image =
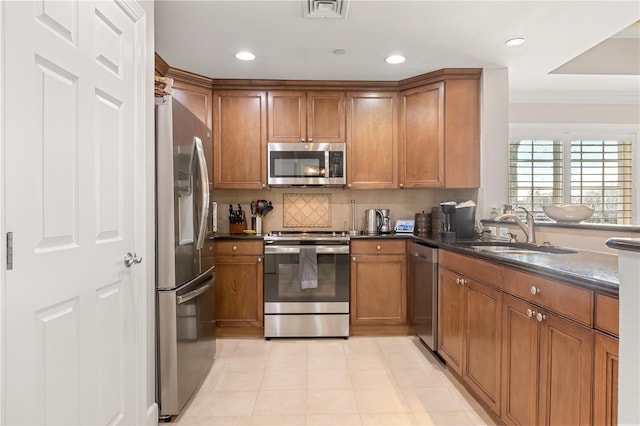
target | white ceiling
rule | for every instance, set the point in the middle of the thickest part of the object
(569, 50)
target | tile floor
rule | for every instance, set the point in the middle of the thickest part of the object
(359, 381)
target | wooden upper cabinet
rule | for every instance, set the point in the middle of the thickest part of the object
(298, 116)
(421, 137)
(372, 128)
(198, 100)
(440, 135)
(462, 133)
(239, 139)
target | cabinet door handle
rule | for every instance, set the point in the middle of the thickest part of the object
(531, 313)
(310, 140)
(540, 317)
(534, 290)
(302, 140)
(378, 248)
(264, 186)
(401, 186)
(234, 248)
(460, 281)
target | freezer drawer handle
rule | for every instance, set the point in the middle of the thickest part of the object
(193, 294)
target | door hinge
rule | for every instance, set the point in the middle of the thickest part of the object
(9, 251)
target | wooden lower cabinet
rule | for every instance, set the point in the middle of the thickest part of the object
(482, 341)
(378, 283)
(605, 380)
(547, 367)
(469, 332)
(239, 287)
(450, 319)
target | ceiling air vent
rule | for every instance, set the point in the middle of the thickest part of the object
(325, 8)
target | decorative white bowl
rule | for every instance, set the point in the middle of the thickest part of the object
(568, 212)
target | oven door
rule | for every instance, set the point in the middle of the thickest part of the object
(283, 290)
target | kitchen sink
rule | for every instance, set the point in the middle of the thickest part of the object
(514, 248)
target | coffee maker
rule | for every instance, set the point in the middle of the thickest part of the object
(458, 220)
(385, 221)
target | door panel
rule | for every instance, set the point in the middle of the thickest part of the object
(72, 135)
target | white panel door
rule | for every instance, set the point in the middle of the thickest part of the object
(72, 129)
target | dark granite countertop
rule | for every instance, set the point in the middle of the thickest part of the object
(628, 244)
(597, 271)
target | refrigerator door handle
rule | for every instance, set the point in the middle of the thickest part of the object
(193, 294)
(204, 189)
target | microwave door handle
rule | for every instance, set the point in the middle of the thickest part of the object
(204, 192)
(326, 163)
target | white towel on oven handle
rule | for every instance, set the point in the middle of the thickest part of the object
(308, 262)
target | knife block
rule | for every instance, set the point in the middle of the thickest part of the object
(236, 228)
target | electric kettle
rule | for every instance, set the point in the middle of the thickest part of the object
(372, 220)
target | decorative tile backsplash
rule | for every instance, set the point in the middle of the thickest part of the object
(306, 210)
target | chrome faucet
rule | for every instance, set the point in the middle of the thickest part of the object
(528, 228)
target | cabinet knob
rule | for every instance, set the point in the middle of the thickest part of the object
(378, 248)
(540, 317)
(460, 281)
(534, 290)
(259, 260)
(349, 186)
(401, 185)
(234, 248)
(353, 258)
(309, 140)
(264, 186)
(530, 313)
(302, 140)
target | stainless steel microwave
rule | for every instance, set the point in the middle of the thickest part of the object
(306, 164)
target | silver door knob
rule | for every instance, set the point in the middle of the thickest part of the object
(130, 259)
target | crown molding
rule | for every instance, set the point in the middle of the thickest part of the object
(568, 97)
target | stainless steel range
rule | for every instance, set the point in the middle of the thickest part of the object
(306, 284)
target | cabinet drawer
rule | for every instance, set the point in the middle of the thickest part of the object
(481, 270)
(607, 313)
(573, 302)
(378, 247)
(238, 247)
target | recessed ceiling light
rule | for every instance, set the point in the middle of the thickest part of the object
(514, 42)
(245, 56)
(395, 59)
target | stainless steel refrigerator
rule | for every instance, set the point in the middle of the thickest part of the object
(185, 278)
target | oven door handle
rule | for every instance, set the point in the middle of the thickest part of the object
(335, 249)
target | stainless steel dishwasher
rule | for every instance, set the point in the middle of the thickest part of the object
(423, 292)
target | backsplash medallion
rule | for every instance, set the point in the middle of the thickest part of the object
(306, 210)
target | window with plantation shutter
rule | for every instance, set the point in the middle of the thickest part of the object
(595, 172)
(601, 178)
(535, 174)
